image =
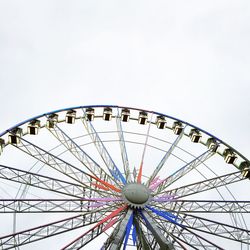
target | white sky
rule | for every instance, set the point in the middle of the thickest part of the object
(189, 59)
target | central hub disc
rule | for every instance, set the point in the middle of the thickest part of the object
(136, 194)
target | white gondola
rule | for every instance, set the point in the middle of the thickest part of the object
(34, 127)
(2, 144)
(14, 136)
(70, 117)
(52, 120)
(161, 122)
(246, 173)
(143, 118)
(245, 168)
(90, 113)
(125, 115)
(177, 127)
(107, 114)
(229, 156)
(195, 135)
(212, 144)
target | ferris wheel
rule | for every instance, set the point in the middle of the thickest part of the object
(112, 177)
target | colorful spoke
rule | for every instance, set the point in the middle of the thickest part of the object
(166, 215)
(140, 173)
(128, 228)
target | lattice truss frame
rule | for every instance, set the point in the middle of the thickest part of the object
(69, 168)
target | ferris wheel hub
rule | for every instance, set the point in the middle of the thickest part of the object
(136, 194)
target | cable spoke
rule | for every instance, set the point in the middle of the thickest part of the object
(115, 172)
(42, 182)
(208, 184)
(80, 154)
(184, 170)
(144, 151)
(48, 230)
(165, 157)
(178, 241)
(123, 147)
(197, 240)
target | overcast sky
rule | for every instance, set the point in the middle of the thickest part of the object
(189, 59)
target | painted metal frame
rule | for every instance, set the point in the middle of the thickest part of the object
(167, 221)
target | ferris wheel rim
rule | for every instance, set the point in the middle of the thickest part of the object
(131, 201)
(127, 107)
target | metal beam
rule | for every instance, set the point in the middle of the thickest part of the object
(51, 229)
(60, 165)
(139, 176)
(165, 158)
(205, 206)
(42, 182)
(159, 237)
(142, 241)
(114, 170)
(167, 230)
(197, 241)
(187, 236)
(50, 205)
(95, 231)
(217, 229)
(108, 242)
(80, 154)
(205, 185)
(118, 238)
(184, 170)
(123, 147)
